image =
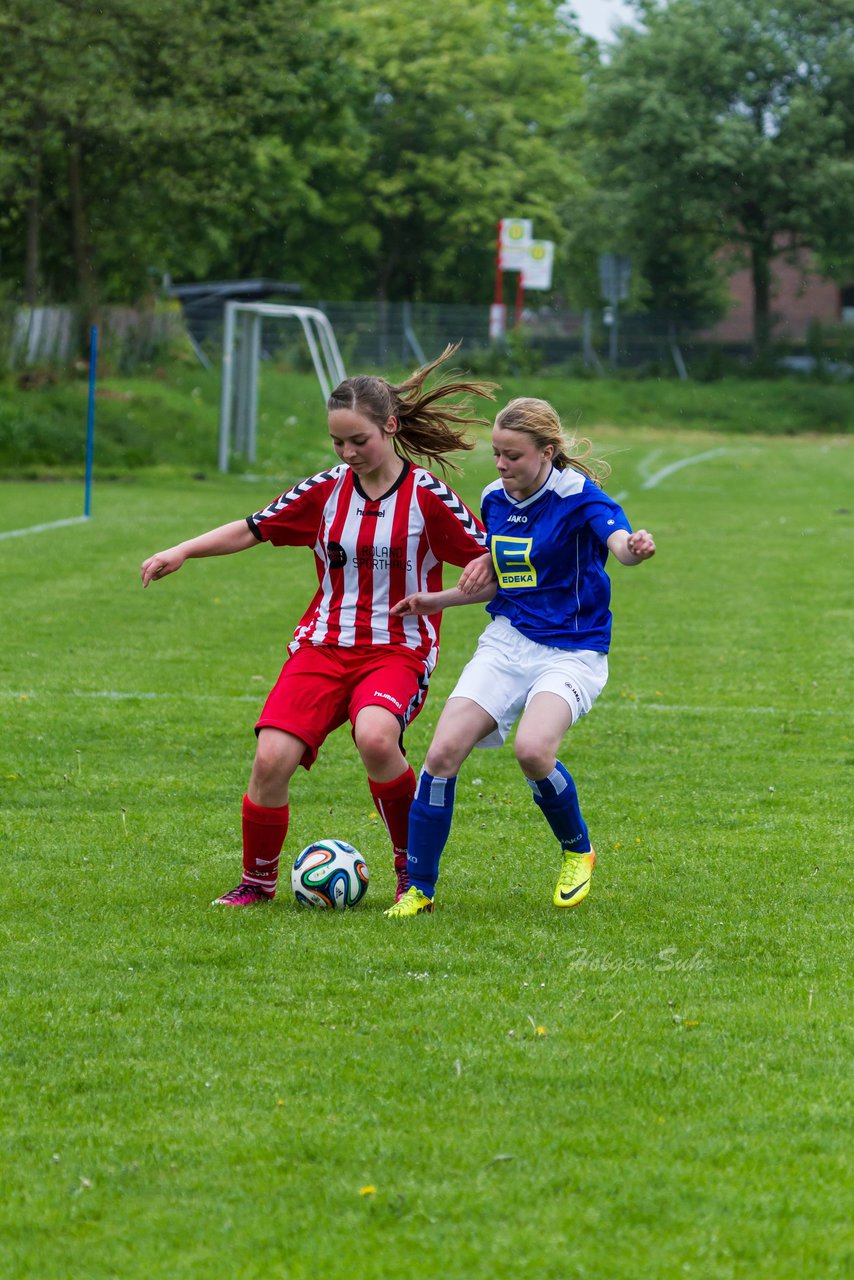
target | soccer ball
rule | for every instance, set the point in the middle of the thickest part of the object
(330, 873)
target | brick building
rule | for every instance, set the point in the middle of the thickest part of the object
(800, 297)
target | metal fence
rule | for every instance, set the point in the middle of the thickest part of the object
(377, 336)
(384, 335)
(56, 337)
(372, 336)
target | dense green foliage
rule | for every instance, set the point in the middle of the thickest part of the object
(142, 137)
(725, 123)
(656, 1084)
(358, 148)
(367, 148)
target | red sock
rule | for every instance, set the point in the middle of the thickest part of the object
(264, 832)
(393, 800)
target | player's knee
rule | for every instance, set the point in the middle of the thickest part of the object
(377, 744)
(272, 758)
(534, 760)
(443, 759)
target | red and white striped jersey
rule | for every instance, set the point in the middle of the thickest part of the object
(370, 553)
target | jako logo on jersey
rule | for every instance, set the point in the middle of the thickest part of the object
(517, 519)
(572, 689)
(512, 560)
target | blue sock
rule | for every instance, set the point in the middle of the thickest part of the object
(557, 797)
(429, 828)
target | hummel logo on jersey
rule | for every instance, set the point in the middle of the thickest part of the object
(362, 511)
(298, 491)
(388, 696)
(453, 503)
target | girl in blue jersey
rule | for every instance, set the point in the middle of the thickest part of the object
(544, 654)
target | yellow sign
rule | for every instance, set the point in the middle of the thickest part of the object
(514, 241)
(537, 271)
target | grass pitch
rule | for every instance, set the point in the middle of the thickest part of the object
(656, 1084)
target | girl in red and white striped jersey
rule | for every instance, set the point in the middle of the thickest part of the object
(380, 527)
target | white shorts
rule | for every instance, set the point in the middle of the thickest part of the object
(507, 670)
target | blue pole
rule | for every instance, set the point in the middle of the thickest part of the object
(90, 422)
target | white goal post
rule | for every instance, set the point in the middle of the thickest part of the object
(239, 390)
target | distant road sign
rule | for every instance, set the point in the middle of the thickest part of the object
(537, 271)
(514, 243)
(615, 274)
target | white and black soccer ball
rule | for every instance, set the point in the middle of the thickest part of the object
(329, 873)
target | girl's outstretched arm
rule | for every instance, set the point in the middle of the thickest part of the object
(436, 601)
(228, 538)
(631, 548)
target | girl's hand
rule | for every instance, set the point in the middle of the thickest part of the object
(476, 575)
(161, 565)
(419, 602)
(641, 544)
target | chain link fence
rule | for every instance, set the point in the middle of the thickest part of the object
(392, 336)
(377, 337)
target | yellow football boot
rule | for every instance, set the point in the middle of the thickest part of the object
(574, 881)
(413, 903)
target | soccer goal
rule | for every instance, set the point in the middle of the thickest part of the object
(241, 356)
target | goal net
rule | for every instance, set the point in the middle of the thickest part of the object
(241, 357)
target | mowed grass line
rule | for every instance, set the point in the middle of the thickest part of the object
(656, 1084)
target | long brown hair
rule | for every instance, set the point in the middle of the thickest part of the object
(427, 426)
(539, 420)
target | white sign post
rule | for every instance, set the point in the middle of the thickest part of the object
(514, 242)
(497, 320)
(537, 271)
(513, 250)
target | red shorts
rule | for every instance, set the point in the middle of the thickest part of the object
(321, 687)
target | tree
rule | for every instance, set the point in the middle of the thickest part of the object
(467, 106)
(356, 146)
(136, 137)
(730, 122)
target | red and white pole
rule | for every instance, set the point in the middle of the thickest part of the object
(497, 312)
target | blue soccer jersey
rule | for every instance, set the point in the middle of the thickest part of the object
(549, 552)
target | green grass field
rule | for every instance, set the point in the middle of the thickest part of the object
(168, 421)
(655, 1085)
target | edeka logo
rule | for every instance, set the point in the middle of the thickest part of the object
(512, 560)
